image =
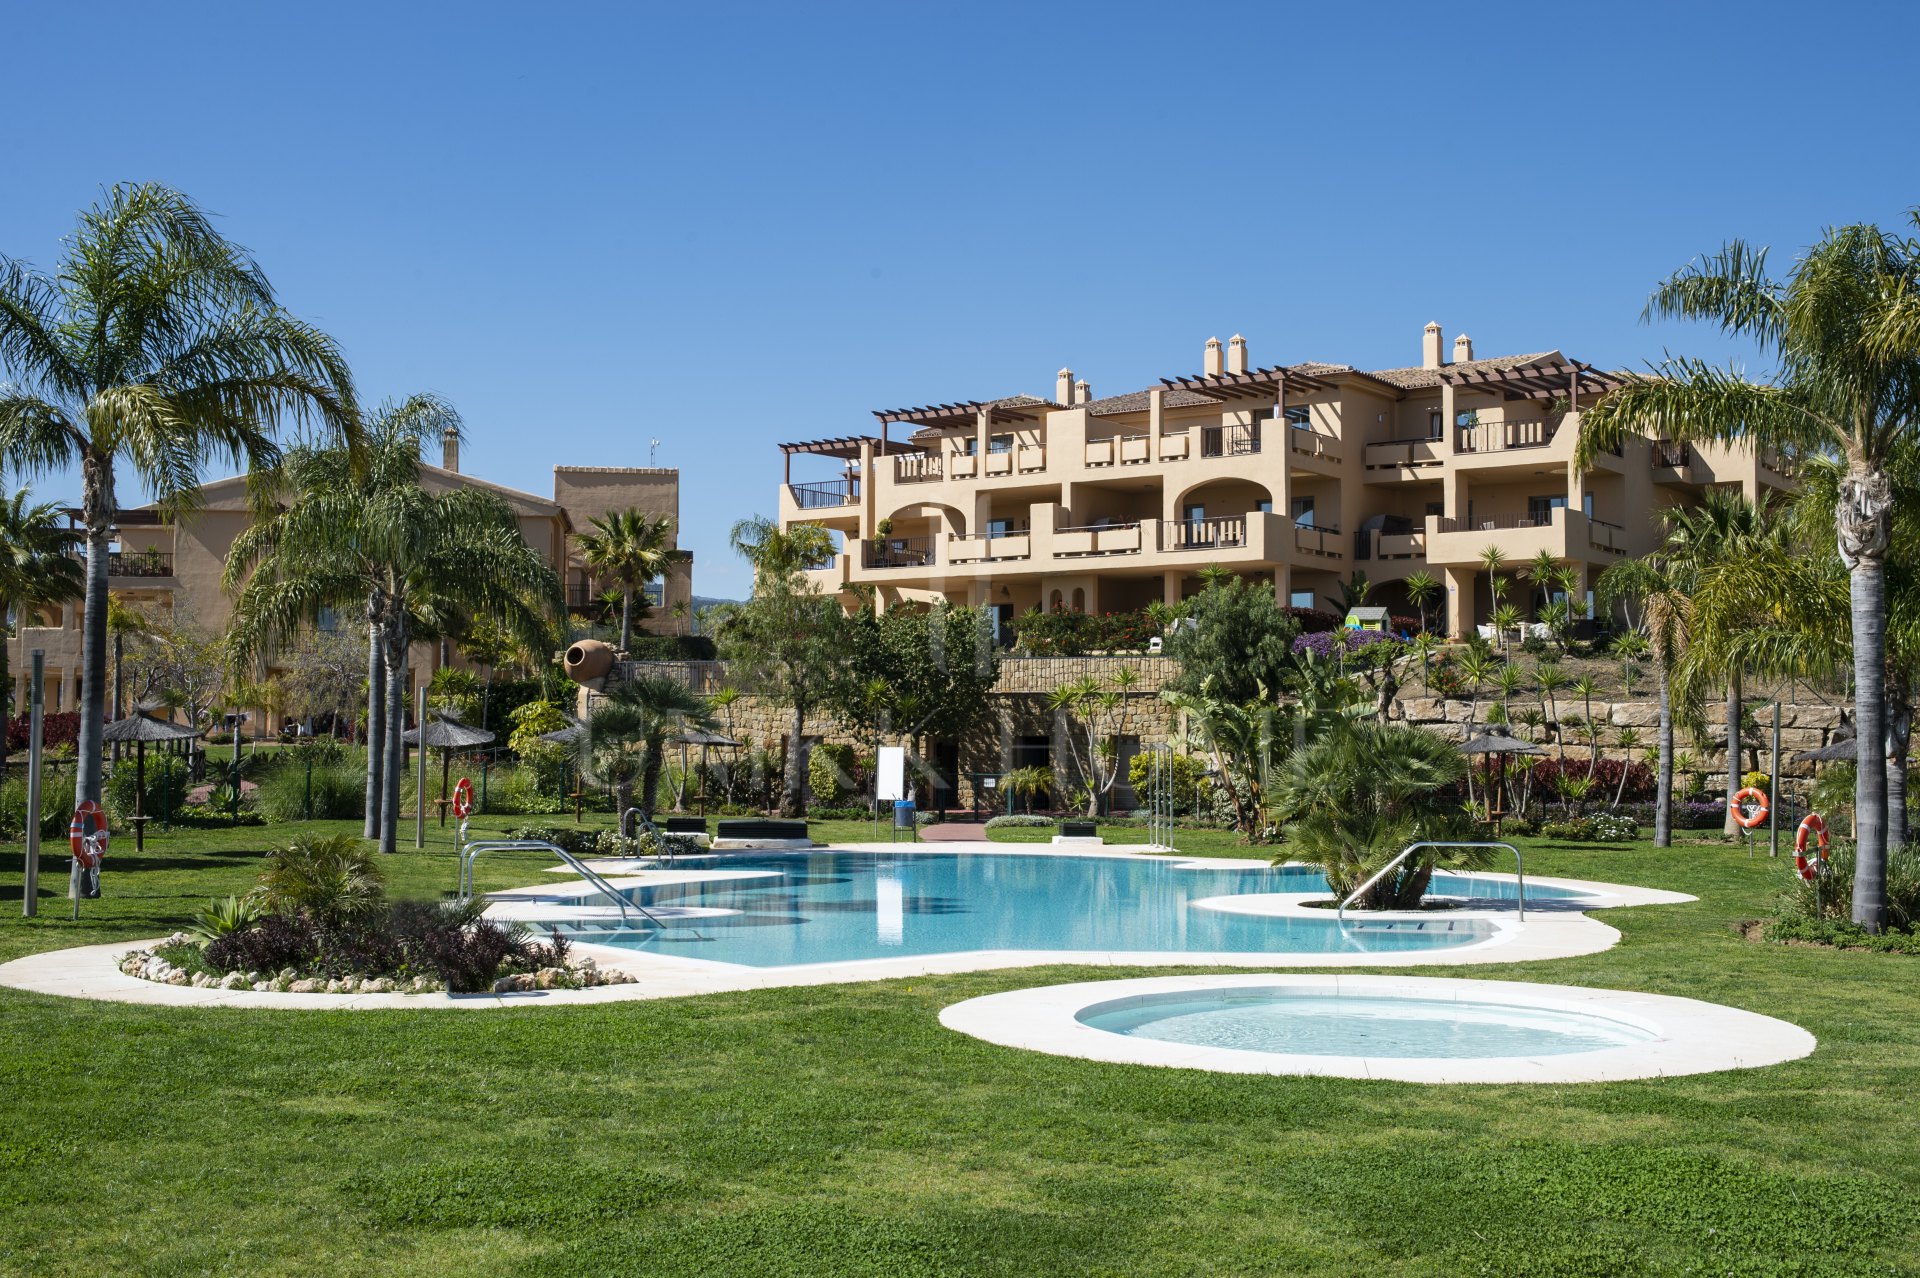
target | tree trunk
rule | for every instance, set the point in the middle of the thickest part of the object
(1663, 794)
(1863, 523)
(650, 777)
(1899, 736)
(396, 750)
(1731, 826)
(6, 684)
(623, 800)
(626, 622)
(98, 505)
(376, 729)
(792, 804)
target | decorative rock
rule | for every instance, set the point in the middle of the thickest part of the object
(176, 977)
(548, 978)
(309, 985)
(421, 985)
(261, 987)
(517, 984)
(374, 985)
(233, 981)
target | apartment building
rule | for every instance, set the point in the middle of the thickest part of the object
(171, 569)
(1295, 474)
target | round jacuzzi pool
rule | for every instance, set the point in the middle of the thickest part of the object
(1414, 1029)
(1328, 1023)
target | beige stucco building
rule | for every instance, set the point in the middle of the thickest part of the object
(171, 570)
(1298, 474)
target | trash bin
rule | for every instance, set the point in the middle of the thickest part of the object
(903, 811)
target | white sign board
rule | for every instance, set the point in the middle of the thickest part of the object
(893, 773)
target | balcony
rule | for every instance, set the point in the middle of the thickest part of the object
(898, 552)
(1565, 534)
(1503, 436)
(1097, 539)
(1608, 539)
(843, 492)
(1396, 455)
(1674, 463)
(1228, 441)
(1204, 534)
(134, 563)
(1411, 545)
(1317, 543)
(984, 547)
(918, 468)
(1312, 445)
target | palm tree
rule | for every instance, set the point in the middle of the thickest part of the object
(158, 344)
(1665, 611)
(124, 621)
(1550, 679)
(1506, 620)
(1843, 330)
(630, 548)
(364, 532)
(786, 639)
(1510, 680)
(1631, 649)
(38, 569)
(626, 737)
(1584, 687)
(1422, 589)
(1493, 559)
(1628, 739)
(1361, 793)
(1543, 570)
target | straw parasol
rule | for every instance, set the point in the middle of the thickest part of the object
(140, 728)
(1843, 746)
(447, 734)
(691, 736)
(1497, 741)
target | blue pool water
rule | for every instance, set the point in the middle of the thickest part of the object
(827, 906)
(1305, 1023)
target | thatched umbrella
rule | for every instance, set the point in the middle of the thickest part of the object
(1843, 746)
(691, 736)
(140, 728)
(448, 734)
(1496, 741)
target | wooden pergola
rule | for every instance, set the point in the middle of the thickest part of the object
(1568, 380)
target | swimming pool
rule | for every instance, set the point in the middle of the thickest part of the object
(839, 906)
(1329, 1022)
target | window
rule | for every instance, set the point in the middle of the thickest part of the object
(1264, 506)
(1586, 505)
(1300, 599)
(1000, 444)
(1433, 423)
(1300, 418)
(972, 446)
(1540, 509)
(1002, 625)
(999, 528)
(1302, 511)
(1435, 509)
(1194, 512)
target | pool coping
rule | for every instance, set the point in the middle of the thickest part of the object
(1696, 1037)
(92, 972)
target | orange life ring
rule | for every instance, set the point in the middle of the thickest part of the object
(88, 849)
(463, 798)
(1809, 866)
(1745, 818)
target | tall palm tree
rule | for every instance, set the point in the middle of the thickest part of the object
(1493, 559)
(1550, 679)
(629, 548)
(626, 737)
(159, 345)
(1543, 570)
(38, 569)
(1657, 590)
(364, 532)
(1843, 331)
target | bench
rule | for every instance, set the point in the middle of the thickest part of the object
(686, 825)
(1078, 830)
(756, 832)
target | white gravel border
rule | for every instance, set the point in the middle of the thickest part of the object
(1694, 1037)
(1552, 930)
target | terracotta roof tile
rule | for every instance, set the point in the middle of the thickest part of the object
(1421, 378)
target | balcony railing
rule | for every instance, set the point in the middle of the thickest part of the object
(1229, 441)
(1097, 539)
(134, 563)
(1493, 437)
(1311, 540)
(1204, 534)
(918, 468)
(899, 552)
(1669, 454)
(1308, 443)
(820, 496)
(1500, 523)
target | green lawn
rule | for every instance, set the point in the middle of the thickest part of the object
(841, 1130)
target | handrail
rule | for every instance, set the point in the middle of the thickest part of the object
(594, 878)
(1519, 872)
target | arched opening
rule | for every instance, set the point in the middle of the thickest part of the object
(1079, 599)
(1054, 602)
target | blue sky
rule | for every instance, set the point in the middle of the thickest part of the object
(726, 226)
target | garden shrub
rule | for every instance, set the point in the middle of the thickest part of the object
(339, 791)
(1019, 820)
(1315, 620)
(519, 791)
(1599, 827)
(274, 942)
(57, 731)
(1077, 634)
(673, 648)
(831, 772)
(1191, 789)
(166, 792)
(1642, 783)
(573, 838)
(848, 813)
(1835, 891)
(330, 879)
(54, 814)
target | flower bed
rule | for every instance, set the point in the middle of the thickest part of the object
(180, 960)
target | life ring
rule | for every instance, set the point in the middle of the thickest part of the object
(1746, 818)
(88, 849)
(463, 798)
(1810, 866)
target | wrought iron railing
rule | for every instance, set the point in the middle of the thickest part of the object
(819, 496)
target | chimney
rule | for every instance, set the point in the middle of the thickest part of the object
(1214, 365)
(1237, 354)
(1463, 349)
(1430, 348)
(1063, 386)
(450, 449)
(1082, 392)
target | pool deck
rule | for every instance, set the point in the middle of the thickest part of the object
(1553, 929)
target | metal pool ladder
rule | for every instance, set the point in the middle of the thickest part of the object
(1519, 872)
(471, 853)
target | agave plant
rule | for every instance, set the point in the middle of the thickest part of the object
(223, 918)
